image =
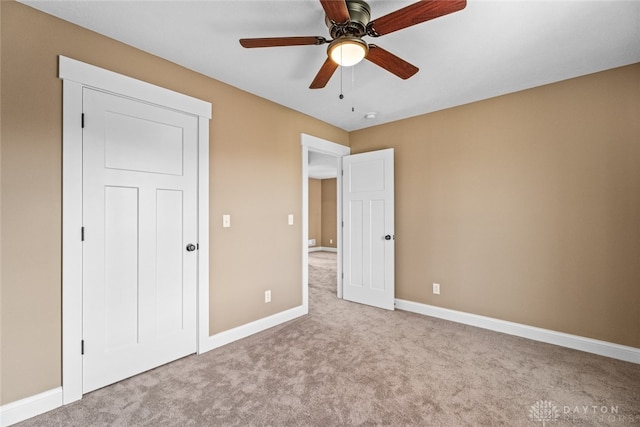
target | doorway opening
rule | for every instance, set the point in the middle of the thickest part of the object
(321, 159)
(323, 222)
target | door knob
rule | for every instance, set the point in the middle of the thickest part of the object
(191, 247)
(387, 237)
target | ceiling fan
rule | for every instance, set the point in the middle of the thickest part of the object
(348, 21)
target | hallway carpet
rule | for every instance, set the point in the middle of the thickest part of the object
(350, 364)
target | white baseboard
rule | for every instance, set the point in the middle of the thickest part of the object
(31, 406)
(235, 334)
(21, 410)
(322, 248)
(602, 348)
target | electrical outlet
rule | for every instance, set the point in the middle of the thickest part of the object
(267, 296)
(436, 288)
(331, 241)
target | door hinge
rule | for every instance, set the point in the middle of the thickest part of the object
(82, 347)
(82, 234)
(82, 120)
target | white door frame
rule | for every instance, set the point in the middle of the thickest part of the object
(76, 75)
(318, 145)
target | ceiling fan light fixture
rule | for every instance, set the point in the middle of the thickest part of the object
(347, 51)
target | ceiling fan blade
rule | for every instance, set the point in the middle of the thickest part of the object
(325, 73)
(336, 10)
(413, 14)
(282, 41)
(390, 62)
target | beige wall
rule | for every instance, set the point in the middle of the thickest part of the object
(315, 210)
(525, 207)
(247, 164)
(329, 213)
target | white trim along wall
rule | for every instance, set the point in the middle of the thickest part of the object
(31, 406)
(43, 402)
(589, 345)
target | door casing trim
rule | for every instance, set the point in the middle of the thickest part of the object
(76, 75)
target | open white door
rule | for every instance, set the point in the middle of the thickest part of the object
(368, 233)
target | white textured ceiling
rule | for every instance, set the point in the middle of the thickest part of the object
(488, 49)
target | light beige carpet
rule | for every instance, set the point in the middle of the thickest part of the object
(349, 364)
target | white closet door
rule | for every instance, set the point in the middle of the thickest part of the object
(139, 217)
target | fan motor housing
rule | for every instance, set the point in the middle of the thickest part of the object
(359, 14)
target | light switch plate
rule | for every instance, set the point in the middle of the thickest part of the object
(290, 219)
(226, 221)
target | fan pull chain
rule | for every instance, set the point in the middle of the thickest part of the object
(353, 79)
(341, 94)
